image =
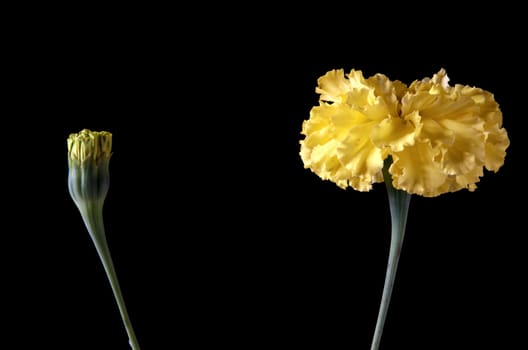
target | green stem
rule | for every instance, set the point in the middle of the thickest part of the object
(93, 219)
(399, 207)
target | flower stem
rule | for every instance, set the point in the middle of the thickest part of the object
(93, 219)
(399, 207)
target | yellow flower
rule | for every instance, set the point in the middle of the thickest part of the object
(89, 145)
(440, 137)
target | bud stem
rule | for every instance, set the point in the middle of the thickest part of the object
(93, 219)
(399, 207)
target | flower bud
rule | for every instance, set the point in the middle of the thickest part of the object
(89, 155)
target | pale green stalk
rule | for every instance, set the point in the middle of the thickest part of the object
(399, 206)
(93, 219)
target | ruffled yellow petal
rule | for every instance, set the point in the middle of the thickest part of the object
(400, 89)
(437, 84)
(452, 124)
(337, 147)
(361, 157)
(397, 133)
(361, 95)
(333, 86)
(323, 160)
(318, 148)
(467, 181)
(497, 140)
(415, 171)
(338, 144)
(387, 92)
(327, 127)
(468, 149)
(461, 125)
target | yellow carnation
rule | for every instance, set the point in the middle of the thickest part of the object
(440, 137)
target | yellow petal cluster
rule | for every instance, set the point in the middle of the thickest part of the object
(440, 137)
(89, 145)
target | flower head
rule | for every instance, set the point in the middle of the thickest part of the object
(89, 155)
(440, 137)
(89, 146)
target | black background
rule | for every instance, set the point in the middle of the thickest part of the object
(220, 237)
